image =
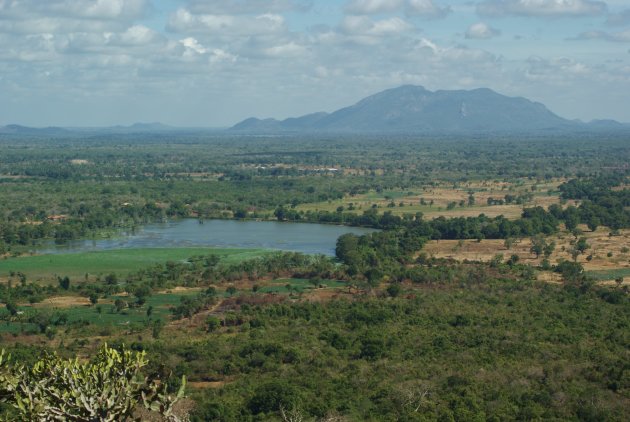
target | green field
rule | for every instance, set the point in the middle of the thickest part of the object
(298, 285)
(82, 314)
(120, 261)
(608, 274)
(104, 315)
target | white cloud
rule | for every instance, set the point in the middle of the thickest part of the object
(541, 8)
(235, 7)
(218, 55)
(194, 50)
(226, 25)
(426, 8)
(75, 61)
(194, 45)
(290, 49)
(137, 35)
(91, 9)
(69, 16)
(481, 31)
(38, 25)
(362, 25)
(366, 7)
(391, 26)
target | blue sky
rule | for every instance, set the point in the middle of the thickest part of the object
(215, 62)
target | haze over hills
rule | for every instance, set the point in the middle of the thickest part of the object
(14, 129)
(412, 108)
(53, 131)
(406, 109)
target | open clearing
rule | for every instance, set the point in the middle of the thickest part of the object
(434, 202)
(610, 255)
(46, 268)
(78, 309)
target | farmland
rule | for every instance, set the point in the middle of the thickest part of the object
(450, 200)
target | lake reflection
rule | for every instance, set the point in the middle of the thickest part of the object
(298, 237)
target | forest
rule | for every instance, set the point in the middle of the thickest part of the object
(494, 286)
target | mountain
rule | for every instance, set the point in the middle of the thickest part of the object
(25, 130)
(412, 108)
(136, 128)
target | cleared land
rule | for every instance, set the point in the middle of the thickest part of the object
(78, 310)
(434, 201)
(121, 261)
(609, 255)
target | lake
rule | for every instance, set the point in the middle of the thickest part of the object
(297, 237)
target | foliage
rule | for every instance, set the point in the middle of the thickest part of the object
(108, 388)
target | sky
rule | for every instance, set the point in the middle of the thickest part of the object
(212, 63)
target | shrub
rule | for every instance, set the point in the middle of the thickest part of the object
(108, 388)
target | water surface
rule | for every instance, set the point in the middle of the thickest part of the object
(297, 237)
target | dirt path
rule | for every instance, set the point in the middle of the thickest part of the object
(197, 319)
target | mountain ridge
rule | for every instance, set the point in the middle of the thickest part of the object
(413, 108)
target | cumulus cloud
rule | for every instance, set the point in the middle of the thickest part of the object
(366, 7)
(101, 58)
(193, 49)
(481, 31)
(91, 9)
(362, 25)
(218, 55)
(242, 25)
(426, 8)
(235, 7)
(541, 8)
(194, 45)
(290, 49)
(135, 35)
(70, 16)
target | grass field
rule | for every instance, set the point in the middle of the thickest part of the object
(610, 274)
(103, 313)
(120, 261)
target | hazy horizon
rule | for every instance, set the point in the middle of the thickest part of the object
(211, 64)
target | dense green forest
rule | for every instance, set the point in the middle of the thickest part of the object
(381, 331)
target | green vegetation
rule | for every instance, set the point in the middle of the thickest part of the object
(609, 274)
(107, 389)
(383, 331)
(120, 261)
(499, 350)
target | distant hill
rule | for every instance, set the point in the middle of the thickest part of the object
(412, 108)
(25, 130)
(19, 130)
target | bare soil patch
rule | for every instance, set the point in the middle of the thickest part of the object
(606, 252)
(63, 302)
(201, 385)
(324, 295)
